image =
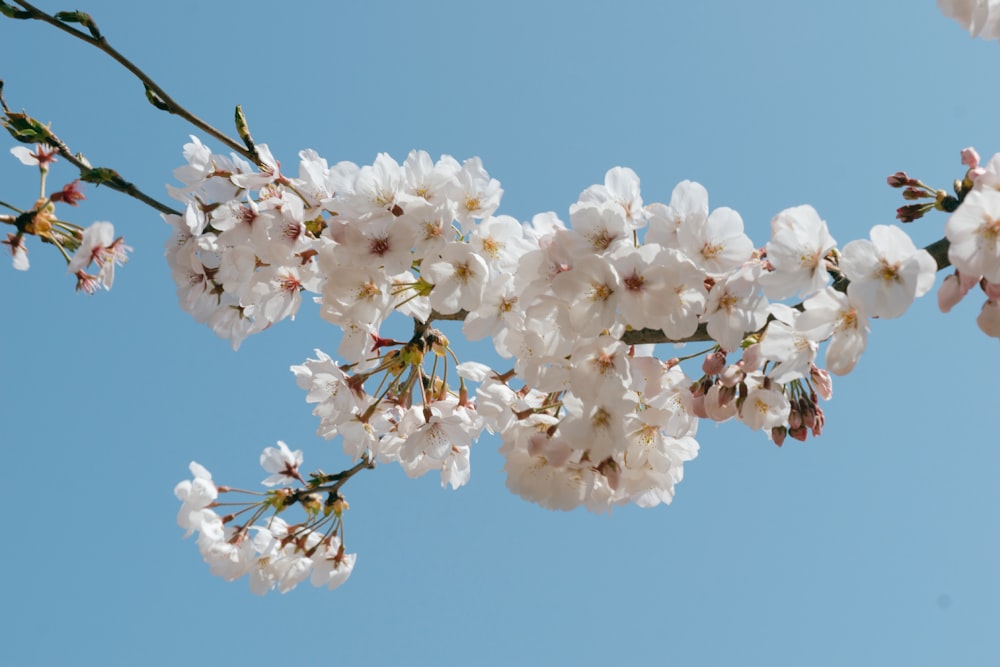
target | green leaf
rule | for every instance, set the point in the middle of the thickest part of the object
(83, 18)
(27, 130)
(13, 12)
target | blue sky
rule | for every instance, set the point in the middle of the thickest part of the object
(875, 544)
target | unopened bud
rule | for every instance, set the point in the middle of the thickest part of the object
(752, 359)
(988, 320)
(714, 363)
(732, 375)
(698, 406)
(950, 293)
(970, 158)
(910, 212)
(898, 180)
(817, 427)
(800, 433)
(822, 381)
(778, 434)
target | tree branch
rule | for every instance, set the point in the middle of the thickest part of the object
(38, 133)
(154, 93)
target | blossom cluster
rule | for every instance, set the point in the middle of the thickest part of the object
(94, 246)
(273, 553)
(586, 416)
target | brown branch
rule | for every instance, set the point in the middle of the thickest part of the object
(89, 174)
(154, 93)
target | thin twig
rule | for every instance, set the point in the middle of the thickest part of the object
(89, 174)
(156, 95)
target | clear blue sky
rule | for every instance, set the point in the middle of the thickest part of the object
(877, 544)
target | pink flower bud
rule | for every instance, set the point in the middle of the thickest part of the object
(808, 411)
(752, 359)
(822, 381)
(719, 403)
(611, 472)
(799, 434)
(817, 428)
(989, 319)
(970, 158)
(794, 419)
(698, 406)
(714, 363)
(778, 434)
(732, 375)
(950, 293)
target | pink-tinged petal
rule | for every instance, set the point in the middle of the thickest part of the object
(989, 319)
(859, 258)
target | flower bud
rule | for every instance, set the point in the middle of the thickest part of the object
(970, 158)
(752, 359)
(778, 434)
(732, 375)
(989, 319)
(822, 381)
(714, 363)
(800, 433)
(698, 406)
(950, 293)
(898, 180)
(910, 212)
(817, 428)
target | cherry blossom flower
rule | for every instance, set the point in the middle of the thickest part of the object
(717, 243)
(974, 233)
(832, 314)
(688, 207)
(196, 495)
(799, 242)
(764, 407)
(282, 463)
(621, 188)
(99, 246)
(888, 272)
(735, 307)
(475, 193)
(459, 278)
